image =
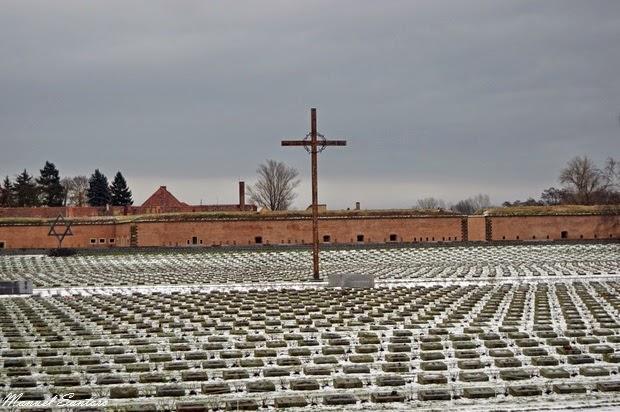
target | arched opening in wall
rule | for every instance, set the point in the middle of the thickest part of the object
(415, 239)
(547, 236)
(503, 237)
(427, 239)
(188, 241)
(360, 238)
(564, 234)
(443, 238)
(258, 240)
(580, 236)
(594, 236)
(534, 237)
(194, 240)
(517, 237)
(327, 238)
(2, 244)
(433, 238)
(201, 242)
(393, 237)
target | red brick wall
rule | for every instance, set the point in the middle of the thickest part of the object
(146, 210)
(88, 211)
(476, 228)
(244, 232)
(24, 237)
(577, 227)
(51, 212)
(296, 231)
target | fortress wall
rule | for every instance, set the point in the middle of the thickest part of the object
(52, 212)
(36, 236)
(299, 231)
(476, 228)
(373, 229)
(413, 229)
(551, 227)
(90, 211)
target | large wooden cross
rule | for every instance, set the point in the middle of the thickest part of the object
(314, 143)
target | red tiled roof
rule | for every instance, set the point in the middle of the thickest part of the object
(162, 198)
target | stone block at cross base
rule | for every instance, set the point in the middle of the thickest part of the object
(350, 280)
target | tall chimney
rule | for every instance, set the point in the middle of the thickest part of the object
(242, 196)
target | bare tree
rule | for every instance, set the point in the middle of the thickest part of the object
(464, 207)
(67, 185)
(481, 201)
(611, 174)
(553, 196)
(430, 203)
(473, 204)
(275, 187)
(77, 192)
(582, 178)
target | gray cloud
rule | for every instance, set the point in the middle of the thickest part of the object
(436, 98)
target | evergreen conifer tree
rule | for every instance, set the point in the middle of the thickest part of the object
(6, 193)
(121, 195)
(52, 192)
(98, 193)
(25, 190)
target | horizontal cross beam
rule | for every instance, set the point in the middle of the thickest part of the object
(319, 143)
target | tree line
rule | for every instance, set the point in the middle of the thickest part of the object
(467, 206)
(583, 183)
(49, 189)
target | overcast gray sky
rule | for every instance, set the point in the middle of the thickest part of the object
(436, 98)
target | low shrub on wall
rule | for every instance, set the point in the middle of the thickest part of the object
(561, 210)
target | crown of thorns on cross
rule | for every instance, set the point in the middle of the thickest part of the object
(61, 224)
(321, 142)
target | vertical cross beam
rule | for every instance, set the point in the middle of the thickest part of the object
(315, 196)
(314, 145)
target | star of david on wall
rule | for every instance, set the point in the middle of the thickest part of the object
(60, 228)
